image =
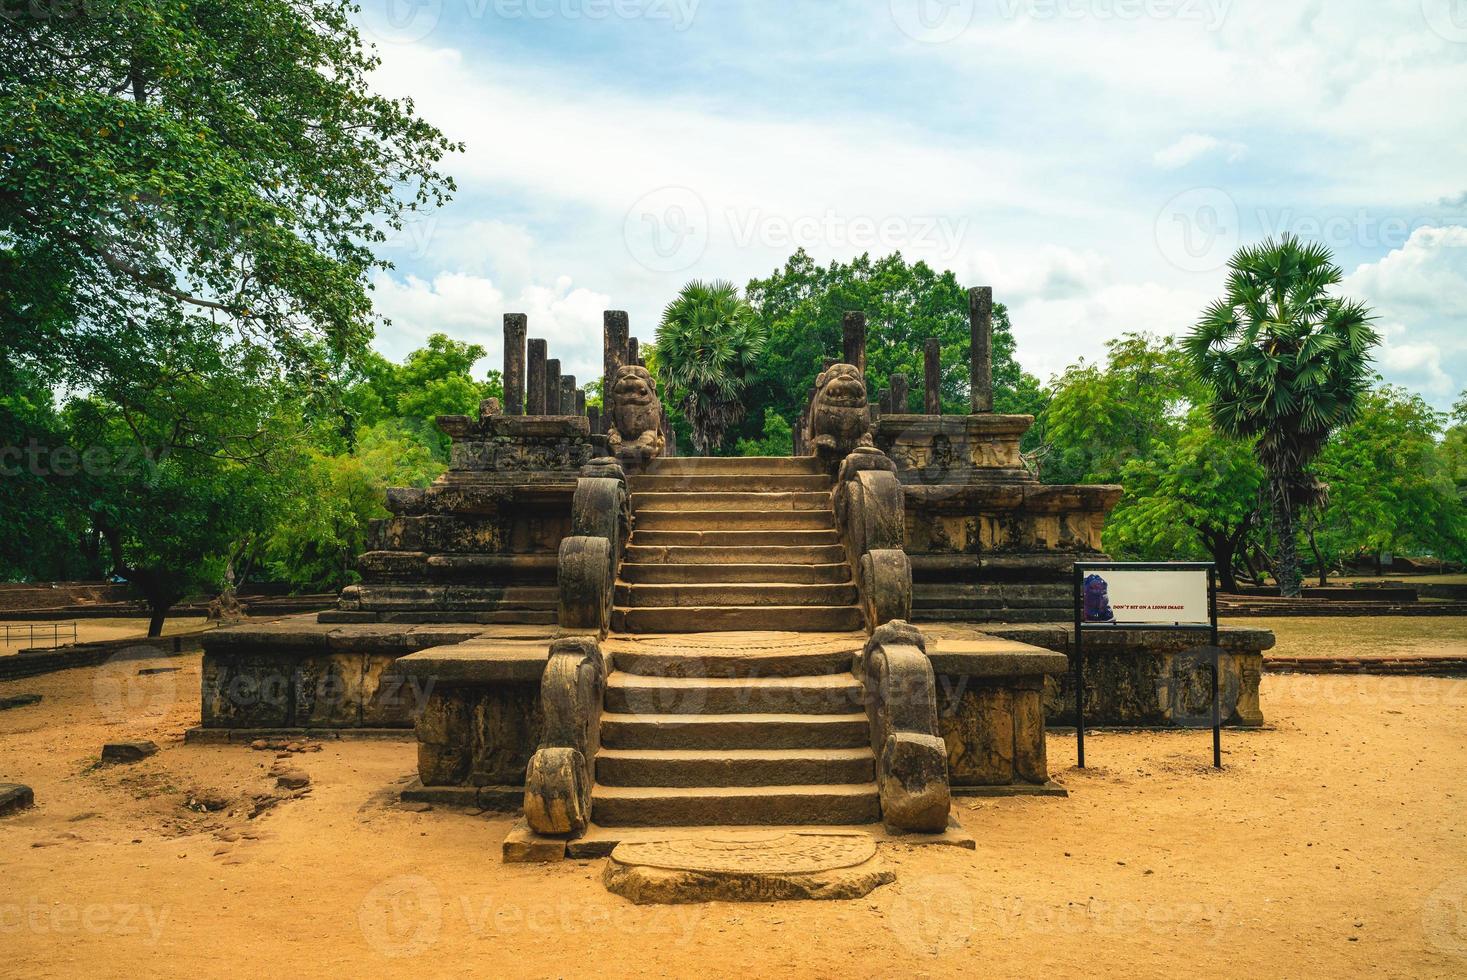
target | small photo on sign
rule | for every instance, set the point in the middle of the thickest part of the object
(1097, 600)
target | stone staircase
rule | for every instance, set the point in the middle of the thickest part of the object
(722, 544)
(722, 732)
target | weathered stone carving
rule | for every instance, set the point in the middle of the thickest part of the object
(839, 419)
(900, 691)
(870, 509)
(585, 579)
(560, 775)
(635, 434)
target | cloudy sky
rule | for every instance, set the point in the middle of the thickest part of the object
(1095, 161)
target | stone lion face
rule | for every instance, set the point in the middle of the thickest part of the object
(842, 387)
(633, 387)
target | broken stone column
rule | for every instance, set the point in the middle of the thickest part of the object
(593, 414)
(552, 386)
(634, 352)
(932, 375)
(580, 401)
(980, 322)
(616, 334)
(535, 385)
(853, 338)
(568, 394)
(899, 394)
(515, 328)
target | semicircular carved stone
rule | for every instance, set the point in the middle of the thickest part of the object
(635, 434)
(884, 509)
(886, 586)
(584, 571)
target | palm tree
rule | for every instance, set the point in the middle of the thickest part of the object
(707, 343)
(1286, 363)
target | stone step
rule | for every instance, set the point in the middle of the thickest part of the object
(735, 520)
(733, 767)
(664, 806)
(742, 540)
(734, 482)
(735, 466)
(779, 661)
(684, 594)
(774, 556)
(723, 619)
(821, 694)
(752, 571)
(734, 731)
(646, 503)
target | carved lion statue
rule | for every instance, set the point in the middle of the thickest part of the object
(635, 433)
(840, 419)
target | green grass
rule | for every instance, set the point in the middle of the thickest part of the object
(1364, 636)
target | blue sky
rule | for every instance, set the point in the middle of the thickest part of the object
(1095, 161)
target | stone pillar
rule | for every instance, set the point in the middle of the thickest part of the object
(899, 404)
(568, 394)
(515, 326)
(853, 338)
(594, 415)
(552, 386)
(634, 352)
(980, 321)
(580, 401)
(932, 372)
(535, 385)
(616, 333)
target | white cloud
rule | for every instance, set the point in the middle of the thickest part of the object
(1193, 147)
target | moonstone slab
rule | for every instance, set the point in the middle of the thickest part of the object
(745, 867)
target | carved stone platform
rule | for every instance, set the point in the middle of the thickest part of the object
(746, 868)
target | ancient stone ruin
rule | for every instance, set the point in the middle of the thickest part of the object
(574, 621)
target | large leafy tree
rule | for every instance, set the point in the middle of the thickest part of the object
(183, 160)
(708, 343)
(802, 306)
(1286, 361)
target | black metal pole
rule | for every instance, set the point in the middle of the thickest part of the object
(1216, 708)
(1079, 668)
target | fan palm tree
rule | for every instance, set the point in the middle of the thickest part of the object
(707, 343)
(1286, 363)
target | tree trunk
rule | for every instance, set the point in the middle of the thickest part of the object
(1290, 578)
(1318, 560)
(155, 622)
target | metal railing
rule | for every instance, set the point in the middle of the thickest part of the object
(27, 633)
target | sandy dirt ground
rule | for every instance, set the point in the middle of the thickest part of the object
(88, 630)
(1363, 636)
(1332, 844)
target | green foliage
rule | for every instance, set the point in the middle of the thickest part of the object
(708, 343)
(1286, 362)
(165, 161)
(1390, 483)
(778, 439)
(1098, 419)
(803, 304)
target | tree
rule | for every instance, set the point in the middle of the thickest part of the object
(778, 438)
(1196, 498)
(1286, 363)
(1098, 419)
(1390, 487)
(708, 343)
(802, 306)
(225, 160)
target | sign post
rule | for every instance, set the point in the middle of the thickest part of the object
(1180, 596)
